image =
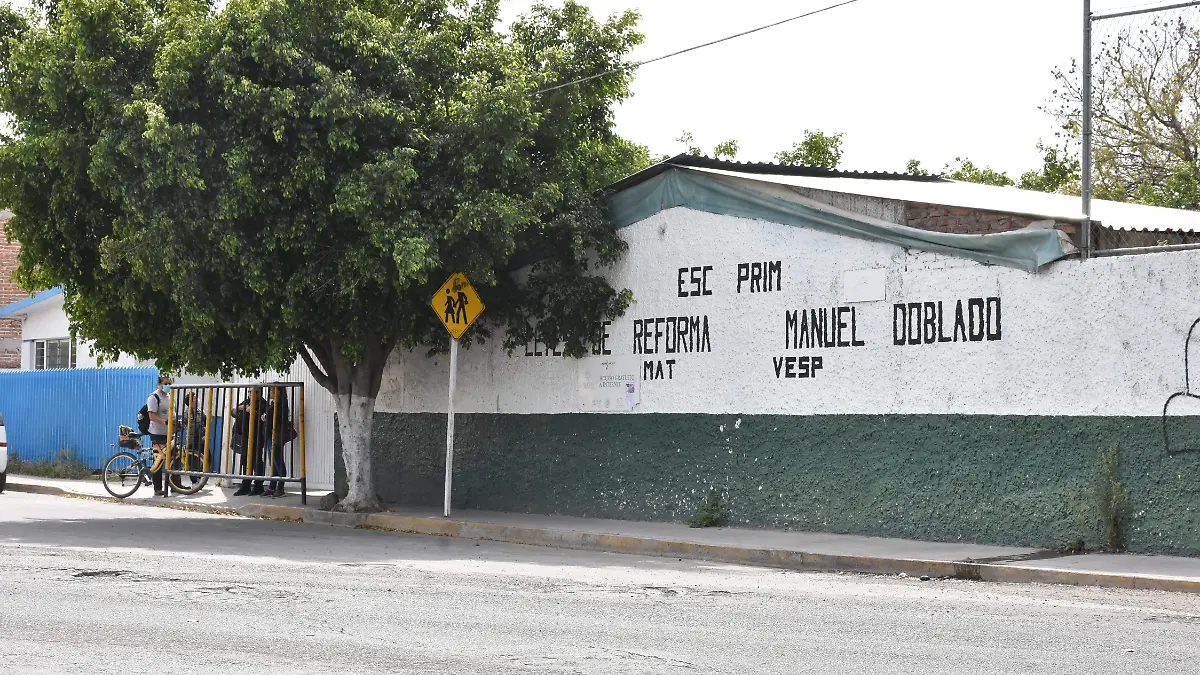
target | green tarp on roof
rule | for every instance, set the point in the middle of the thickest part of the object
(1026, 249)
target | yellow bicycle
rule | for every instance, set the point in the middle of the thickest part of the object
(133, 465)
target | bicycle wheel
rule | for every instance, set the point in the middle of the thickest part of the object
(187, 484)
(122, 474)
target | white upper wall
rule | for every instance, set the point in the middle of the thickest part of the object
(1105, 337)
(48, 321)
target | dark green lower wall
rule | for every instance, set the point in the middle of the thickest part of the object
(988, 479)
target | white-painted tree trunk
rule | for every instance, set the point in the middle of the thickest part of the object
(355, 414)
(354, 386)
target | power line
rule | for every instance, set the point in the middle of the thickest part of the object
(1148, 10)
(639, 64)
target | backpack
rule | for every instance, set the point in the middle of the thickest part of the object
(144, 416)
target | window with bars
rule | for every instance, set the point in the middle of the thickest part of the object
(50, 354)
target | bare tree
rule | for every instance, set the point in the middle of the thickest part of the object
(1146, 112)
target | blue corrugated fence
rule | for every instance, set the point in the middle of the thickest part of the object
(77, 409)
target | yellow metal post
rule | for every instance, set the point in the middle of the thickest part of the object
(274, 427)
(227, 434)
(303, 454)
(251, 433)
(189, 407)
(170, 441)
(208, 430)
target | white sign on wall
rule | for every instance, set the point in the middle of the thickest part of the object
(608, 384)
(863, 285)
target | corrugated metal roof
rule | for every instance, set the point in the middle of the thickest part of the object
(744, 197)
(769, 168)
(940, 191)
(759, 169)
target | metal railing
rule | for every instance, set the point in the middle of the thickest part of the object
(1111, 242)
(255, 427)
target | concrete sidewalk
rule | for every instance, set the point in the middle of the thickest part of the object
(211, 498)
(806, 551)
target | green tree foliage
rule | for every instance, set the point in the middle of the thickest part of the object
(689, 144)
(914, 167)
(221, 189)
(726, 150)
(1059, 172)
(1146, 113)
(966, 170)
(817, 149)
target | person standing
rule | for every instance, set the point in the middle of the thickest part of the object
(237, 442)
(251, 443)
(197, 428)
(276, 425)
(158, 407)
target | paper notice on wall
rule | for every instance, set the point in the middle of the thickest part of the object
(608, 384)
(864, 285)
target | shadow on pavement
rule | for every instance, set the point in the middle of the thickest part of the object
(175, 532)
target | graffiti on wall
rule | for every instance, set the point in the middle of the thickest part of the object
(1186, 440)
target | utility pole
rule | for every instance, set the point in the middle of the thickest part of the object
(1085, 228)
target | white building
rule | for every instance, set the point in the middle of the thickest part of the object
(46, 341)
(869, 353)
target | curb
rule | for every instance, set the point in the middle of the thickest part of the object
(644, 546)
(178, 506)
(36, 489)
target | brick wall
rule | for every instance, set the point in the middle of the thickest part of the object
(10, 292)
(933, 217)
(957, 220)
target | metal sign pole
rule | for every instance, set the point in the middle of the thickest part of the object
(450, 423)
(457, 305)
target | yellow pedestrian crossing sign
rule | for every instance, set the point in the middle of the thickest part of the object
(457, 304)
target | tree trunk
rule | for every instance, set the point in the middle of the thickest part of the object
(355, 415)
(355, 385)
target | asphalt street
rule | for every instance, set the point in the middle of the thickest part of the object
(92, 587)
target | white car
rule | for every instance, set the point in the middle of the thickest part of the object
(3, 455)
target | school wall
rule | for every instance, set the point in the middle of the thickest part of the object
(892, 416)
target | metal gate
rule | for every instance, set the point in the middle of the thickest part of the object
(233, 431)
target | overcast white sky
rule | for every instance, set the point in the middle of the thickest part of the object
(925, 79)
(930, 79)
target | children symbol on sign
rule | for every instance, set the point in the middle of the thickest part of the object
(456, 308)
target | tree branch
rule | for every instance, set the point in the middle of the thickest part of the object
(344, 370)
(324, 355)
(322, 378)
(378, 364)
